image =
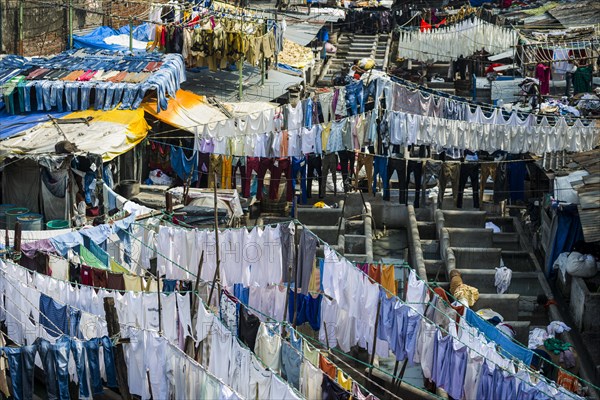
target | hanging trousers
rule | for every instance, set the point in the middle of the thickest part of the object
(255, 164)
(500, 183)
(203, 169)
(279, 167)
(240, 163)
(364, 160)
(226, 170)
(450, 173)
(314, 171)
(432, 168)
(397, 165)
(416, 168)
(380, 168)
(347, 158)
(329, 162)
(468, 171)
(487, 170)
(299, 167)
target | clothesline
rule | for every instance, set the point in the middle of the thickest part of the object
(420, 313)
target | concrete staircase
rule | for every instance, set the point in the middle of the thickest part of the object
(352, 47)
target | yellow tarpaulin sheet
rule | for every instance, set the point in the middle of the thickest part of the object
(108, 133)
(187, 111)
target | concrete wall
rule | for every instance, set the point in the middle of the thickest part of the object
(45, 27)
(417, 261)
(584, 306)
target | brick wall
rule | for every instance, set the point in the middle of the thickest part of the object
(45, 26)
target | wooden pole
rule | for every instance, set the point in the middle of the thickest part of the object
(114, 329)
(169, 202)
(290, 262)
(70, 24)
(189, 342)
(131, 35)
(6, 241)
(17, 237)
(21, 28)
(160, 321)
(374, 339)
(216, 278)
(296, 285)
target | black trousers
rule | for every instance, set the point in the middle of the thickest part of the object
(314, 171)
(347, 158)
(416, 168)
(399, 166)
(468, 171)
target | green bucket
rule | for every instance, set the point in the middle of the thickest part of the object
(12, 214)
(3, 208)
(57, 224)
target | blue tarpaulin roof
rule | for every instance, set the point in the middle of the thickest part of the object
(95, 39)
(10, 125)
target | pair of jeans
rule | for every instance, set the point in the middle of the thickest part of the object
(468, 171)
(450, 173)
(364, 160)
(129, 93)
(314, 171)
(91, 350)
(85, 92)
(278, 168)
(416, 168)
(252, 165)
(308, 113)
(488, 170)
(347, 158)
(71, 96)
(39, 96)
(239, 163)
(380, 169)
(354, 97)
(61, 350)
(329, 163)
(78, 350)
(299, 167)
(397, 165)
(500, 183)
(21, 363)
(47, 355)
(109, 362)
(100, 94)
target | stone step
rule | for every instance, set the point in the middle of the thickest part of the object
(506, 305)
(362, 258)
(477, 258)
(523, 283)
(470, 237)
(355, 244)
(427, 230)
(430, 246)
(464, 219)
(435, 268)
(507, 240)
(518, 260)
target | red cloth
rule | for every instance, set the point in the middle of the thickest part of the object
(442, 22)
(542, 72)
(492, 66)
(87, 275)
(425, 26)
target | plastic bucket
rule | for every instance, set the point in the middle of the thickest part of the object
(12, 214)
(31, 222)
(3, 208)
(57, 224)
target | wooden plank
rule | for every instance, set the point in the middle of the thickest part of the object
(114, 329)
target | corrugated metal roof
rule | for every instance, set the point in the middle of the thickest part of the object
(588, 192)
(577, 13)
(224, 85)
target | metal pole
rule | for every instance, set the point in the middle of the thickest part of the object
(21, 27)
(70, 24)
(263, 66)
(131, 35)
(241, 80)
(374, 339)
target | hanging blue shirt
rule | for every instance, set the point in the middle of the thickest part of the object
(507, 346)
(53, 316)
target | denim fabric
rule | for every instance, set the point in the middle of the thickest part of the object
(93, 360)
(61, 350)
(380, 168)
(299, 167)
(49, 366)
(21, 363)
(78, 351)
(74, 318)
(314, 171)
(468, 171)
(308, 112)
(354, 97)
(100, 94)
(85, 97)
(47, 95)
(53, 316)
(118, 94)
(109, 362)
(347, 159)
(39, 95)
(129, 93)
(56, 95)
(71, 96)
(108, 99)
